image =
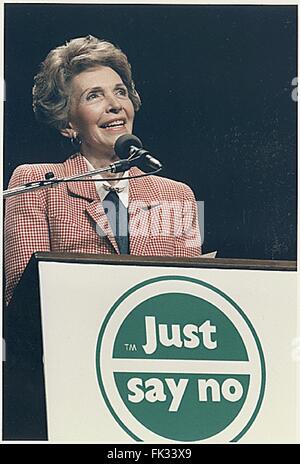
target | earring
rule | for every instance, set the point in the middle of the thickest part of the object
(75, 141)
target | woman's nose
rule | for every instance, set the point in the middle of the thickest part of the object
(113, 104)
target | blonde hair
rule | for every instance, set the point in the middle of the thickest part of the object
(51, 97)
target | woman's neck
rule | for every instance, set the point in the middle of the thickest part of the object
(101, 161)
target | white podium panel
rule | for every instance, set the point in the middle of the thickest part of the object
(166, 354)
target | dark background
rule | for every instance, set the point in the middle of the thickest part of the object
(217, 110)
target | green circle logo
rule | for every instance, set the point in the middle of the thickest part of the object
(178, 360)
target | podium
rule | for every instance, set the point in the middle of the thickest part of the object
(127, 349)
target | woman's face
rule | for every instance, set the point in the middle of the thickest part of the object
(100, 109)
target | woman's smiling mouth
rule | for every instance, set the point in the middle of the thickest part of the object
(115, 124)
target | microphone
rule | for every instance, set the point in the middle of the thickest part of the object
(124, 143)
(130, 146)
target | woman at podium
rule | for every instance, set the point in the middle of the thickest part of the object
(84, 89)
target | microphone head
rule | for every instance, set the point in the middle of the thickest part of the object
(123, 144)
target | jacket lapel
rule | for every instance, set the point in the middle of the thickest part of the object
(97, 213)
(77, 165)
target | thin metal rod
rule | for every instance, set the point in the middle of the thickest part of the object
(40, 184)
(30, 186)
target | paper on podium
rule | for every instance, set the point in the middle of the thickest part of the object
(211, 254)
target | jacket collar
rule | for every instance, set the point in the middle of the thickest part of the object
(142, 190)
(77, 165)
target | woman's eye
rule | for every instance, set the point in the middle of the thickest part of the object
(92, 96)
(122, 92)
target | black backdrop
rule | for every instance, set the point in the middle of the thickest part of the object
(216, 86)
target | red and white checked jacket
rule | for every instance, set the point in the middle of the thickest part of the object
(69, 217)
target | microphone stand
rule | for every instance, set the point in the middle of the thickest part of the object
(119, 166)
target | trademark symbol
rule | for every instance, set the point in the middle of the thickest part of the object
(130, 347)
